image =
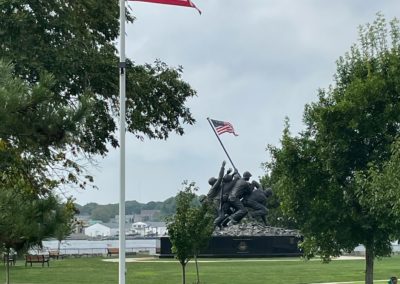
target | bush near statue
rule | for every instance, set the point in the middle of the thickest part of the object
(233, 195)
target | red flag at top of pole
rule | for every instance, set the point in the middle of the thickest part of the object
(185, 3)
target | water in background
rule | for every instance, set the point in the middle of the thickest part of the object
(395, 248)
(80, 247)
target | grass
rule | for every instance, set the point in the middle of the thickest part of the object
(212, 271)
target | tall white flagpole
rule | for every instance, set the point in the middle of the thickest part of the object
(122, 79)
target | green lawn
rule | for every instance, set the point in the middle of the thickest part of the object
(251, 271)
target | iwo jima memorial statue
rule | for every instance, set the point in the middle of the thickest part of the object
(234, 197)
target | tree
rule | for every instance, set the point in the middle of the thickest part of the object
(74, 41)
(380, 186)
(189, 228)
(26, 219)
(31, 143)
(202, 220)
(169, 206)
(66, 224)
(324, 176)
(58, 101)
(105, 212)
(275, 216)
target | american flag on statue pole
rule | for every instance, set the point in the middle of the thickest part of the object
(184, 3)
(223, 127)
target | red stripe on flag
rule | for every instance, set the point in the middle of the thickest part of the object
(223, 127)
(185, 3)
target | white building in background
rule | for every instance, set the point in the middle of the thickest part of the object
(148, 229)
(139, 228)
(157, 228)
(102, 230)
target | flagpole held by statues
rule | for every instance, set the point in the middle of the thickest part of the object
(241, 228)
(222, 145)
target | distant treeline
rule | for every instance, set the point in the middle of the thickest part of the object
(106, 212)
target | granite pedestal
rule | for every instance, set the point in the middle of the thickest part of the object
(244, 241)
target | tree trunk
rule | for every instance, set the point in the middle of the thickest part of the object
(369, 265)
(183, 273)
(197, 269)
(7, 267)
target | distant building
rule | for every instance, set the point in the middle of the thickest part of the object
(157, 228)
(147, 215)
(102, 230)
(128, 218)
(148, 229)
(92, 222)
(79, 223)
(139, 228)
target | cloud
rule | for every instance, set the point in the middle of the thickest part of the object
(252, 63)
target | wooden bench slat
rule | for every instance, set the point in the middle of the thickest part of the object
(111, 251)
(33, 258)
(55, 254)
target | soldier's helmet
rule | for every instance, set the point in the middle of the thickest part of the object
(268, 192)
(212, 180)
(246, 174)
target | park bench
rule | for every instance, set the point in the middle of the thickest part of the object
(55, 254)
(111, 251)
(30, 258)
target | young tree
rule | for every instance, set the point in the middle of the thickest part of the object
(322, 175)
(66, 223)
(189, 228)
(202, 221)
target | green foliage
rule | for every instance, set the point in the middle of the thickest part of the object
(59, 99)
(190, 227)
(169, 206)
(33, 135)
(36, 129)
(75, 43)
(133, 207)
(104, 212)
(378, 192)
(108, 211)
(324, 176)
(65, 223)
(25, 219)
(275, 216)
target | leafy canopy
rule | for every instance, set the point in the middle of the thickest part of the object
(323, 175)
(59, 99)
(74, 41)
(190, 228)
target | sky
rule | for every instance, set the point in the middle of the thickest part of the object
(252, 63)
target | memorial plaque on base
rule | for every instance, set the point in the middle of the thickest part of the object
(241, 246)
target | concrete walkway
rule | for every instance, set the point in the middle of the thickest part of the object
(352, 282)
(153, 259)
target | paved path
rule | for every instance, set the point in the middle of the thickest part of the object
(153, 259)
(352, 282)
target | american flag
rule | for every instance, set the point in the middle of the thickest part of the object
(222, 127)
